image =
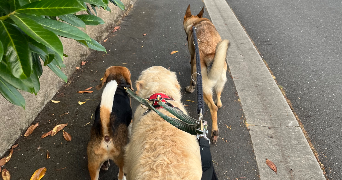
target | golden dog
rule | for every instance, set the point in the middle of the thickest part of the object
(212, 52)
(158, 150)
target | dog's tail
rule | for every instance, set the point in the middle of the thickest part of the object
(219, 60)
(106, 106)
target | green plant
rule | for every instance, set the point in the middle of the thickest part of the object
(29, 31)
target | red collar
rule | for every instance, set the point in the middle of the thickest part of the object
(158, 97)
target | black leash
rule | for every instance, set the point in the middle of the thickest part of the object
(208, 171)
(200, 105)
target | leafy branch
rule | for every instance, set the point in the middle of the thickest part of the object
(29, 34)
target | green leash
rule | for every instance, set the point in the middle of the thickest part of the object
(184, 122)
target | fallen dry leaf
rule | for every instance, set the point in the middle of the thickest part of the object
(83, 63)
(81, 92)
(88, 88)
(57, 128)
(80, 103)
(38, 174)
(173, 52)
(46, 134)
(47, 154)
(124, 63)
(55, 101)
(5, 174)
(271, 165)
(77, 68)
(31, 129)
(4, 160)
(14, 146)
(66, 136)
(116, 28)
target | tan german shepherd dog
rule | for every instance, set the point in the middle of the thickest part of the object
(212, 50)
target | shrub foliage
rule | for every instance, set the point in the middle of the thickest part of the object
(29, 31)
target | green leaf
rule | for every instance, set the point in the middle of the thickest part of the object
(60, 28)
(52, 7)
(95, 2)
(37, 72)
(118, 3)
(22, 84)
(11, 94)
(107, 9)
(90, 20)
(23, 2)
(38, 33)
(89, 11)
(49, 59)
(16, 50)
(93, 45)
(1, 51)
(58, 61)
(73, 20)
(37, 65)
(14, 4)
(57, 71)
(94, 8)
(4, 8)
(37, 49)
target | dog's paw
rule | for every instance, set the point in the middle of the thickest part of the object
(190, 89)
(214, 136)
(105, 165)
(219, 104)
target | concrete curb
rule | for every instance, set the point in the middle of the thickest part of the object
(15, 119)
(274, 130)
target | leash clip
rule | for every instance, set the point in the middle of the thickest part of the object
(203, 127)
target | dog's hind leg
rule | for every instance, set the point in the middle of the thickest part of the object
(120, 163)
(208, 98)
(219, 86)
(191, 87)
(94, 170)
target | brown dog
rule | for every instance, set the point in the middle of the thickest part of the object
(158, 150)
(109, 133)
(212, 52)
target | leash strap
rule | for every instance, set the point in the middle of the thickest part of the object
(188, 124)
(200, 104)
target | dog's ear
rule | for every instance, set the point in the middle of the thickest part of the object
(200, 14)
(139, 85)
(188, 12)
(103, 81)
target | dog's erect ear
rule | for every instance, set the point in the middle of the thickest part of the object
(188, 12)
(139, 85)
(200, 14)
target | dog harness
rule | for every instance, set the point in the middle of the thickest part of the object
(155, 98)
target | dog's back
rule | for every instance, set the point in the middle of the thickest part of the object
(109, 133)
(158, 150)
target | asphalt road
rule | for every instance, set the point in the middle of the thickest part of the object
(301, 43)
(146, 37)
